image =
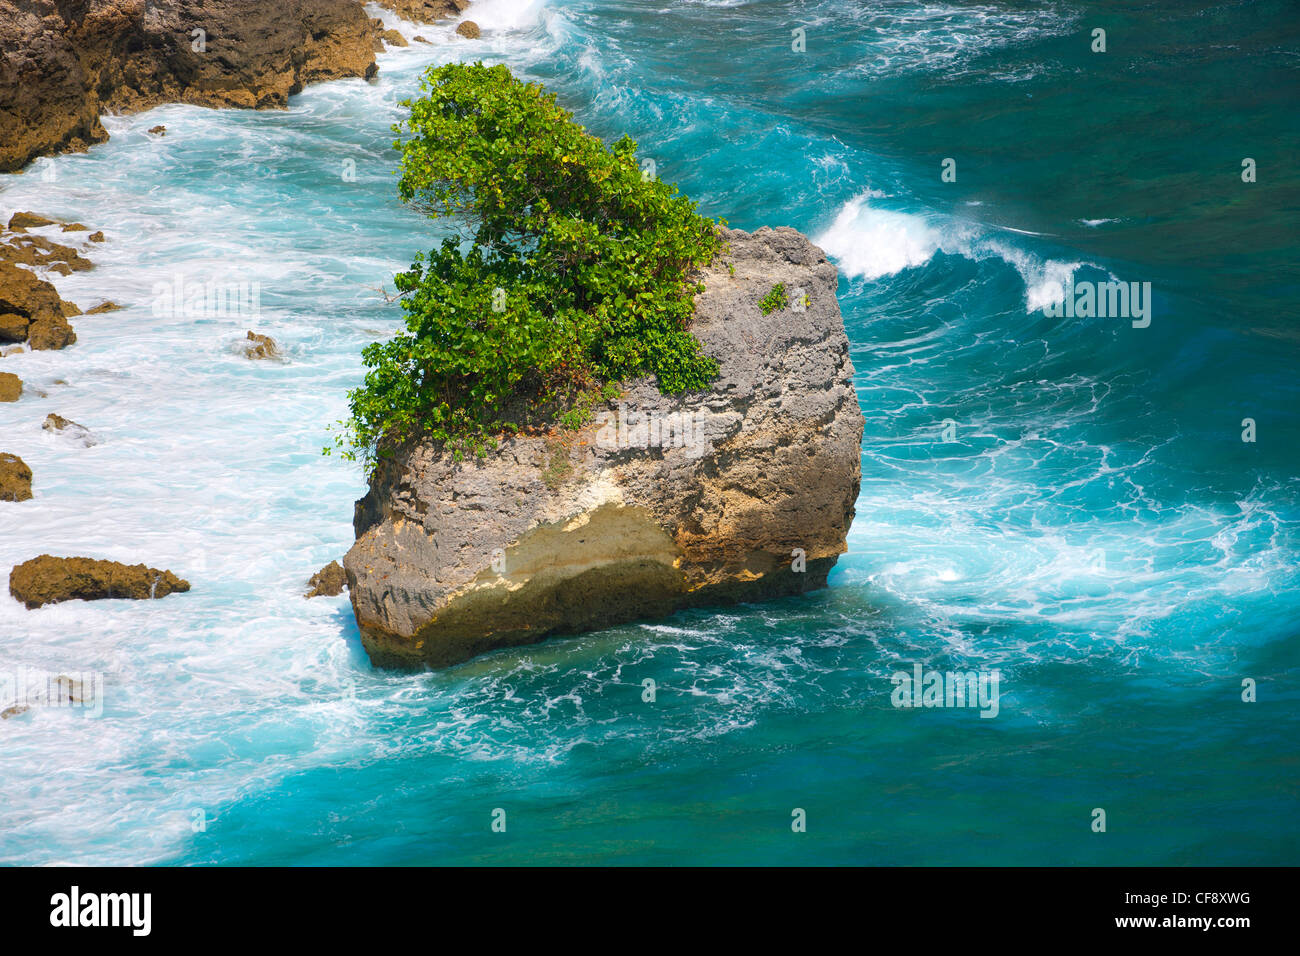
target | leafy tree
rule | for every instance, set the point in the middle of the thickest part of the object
(572, 273)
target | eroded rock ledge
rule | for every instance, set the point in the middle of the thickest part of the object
(742, 493)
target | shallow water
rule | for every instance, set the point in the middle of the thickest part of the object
(1097, 531)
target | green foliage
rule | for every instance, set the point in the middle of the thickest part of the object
(573, 272)
(775, 301)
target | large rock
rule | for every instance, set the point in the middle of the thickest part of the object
(15, 478)
(64, 62)
(742, 493)
(48, 580)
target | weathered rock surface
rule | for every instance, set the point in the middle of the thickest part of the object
(329, 581)
(64, 62)
(742, 493)
(11, 387)
(48, 580)
(468, 29)
(15, 478)
(425, 11)
(394, 38)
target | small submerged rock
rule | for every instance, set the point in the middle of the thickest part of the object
(104, 307)
(261, 347)
(97, 236)
(394, 38)
(11, 387)
(15, 478)
(329, 581)
(49, 580)
(158, 130)
(69, 429)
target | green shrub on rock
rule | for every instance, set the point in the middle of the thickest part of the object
(573, 273)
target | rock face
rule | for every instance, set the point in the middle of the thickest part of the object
(15, 478)
(64, 62)
(48, 580)
(742, 493)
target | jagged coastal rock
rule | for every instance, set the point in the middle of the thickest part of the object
(329, 581)
(48, 580)
(62, 64)
(742, 493)
(15, 478)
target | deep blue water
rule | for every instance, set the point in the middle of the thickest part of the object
(1097, 531)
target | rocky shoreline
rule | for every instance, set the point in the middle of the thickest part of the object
(65, 64)
(61, 67)
(741, 493)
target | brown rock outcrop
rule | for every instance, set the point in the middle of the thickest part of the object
(31, 310)
(426, 11)
(11, 387)
(468, 29)
(48, 580)
(15, 478)
(20, 221)
(329, 581)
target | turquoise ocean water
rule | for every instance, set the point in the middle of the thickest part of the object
(1097, 531)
